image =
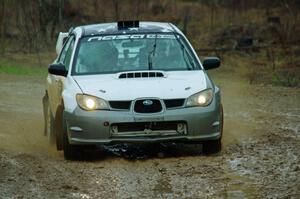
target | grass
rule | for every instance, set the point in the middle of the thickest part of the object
(21, 70)
(258, 68)
(255, 67)
(22, 64)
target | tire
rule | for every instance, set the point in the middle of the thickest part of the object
(214, 146)
(58, 128)
(49, 131)
(71, 152)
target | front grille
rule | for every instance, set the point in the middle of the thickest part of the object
(141, 126)
(173, 103)
(122, 105)
(153, 106)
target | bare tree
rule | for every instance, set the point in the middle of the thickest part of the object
(61, 4)
(51, 17)
(116, 7)
(138, 7)
(2, 14)
(213, 5)
(291, 26)
(186, 19)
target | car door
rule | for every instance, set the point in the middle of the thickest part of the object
(56, 86)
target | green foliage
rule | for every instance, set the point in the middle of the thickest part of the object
(286, 78)
(11, 67)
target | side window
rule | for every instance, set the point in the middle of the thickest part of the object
(66, 53)
(67, 59)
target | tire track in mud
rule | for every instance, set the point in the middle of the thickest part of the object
(259, 159)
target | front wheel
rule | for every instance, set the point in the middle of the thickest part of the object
(212, 146)
(71, 152)
(215, 146)
(49, 121)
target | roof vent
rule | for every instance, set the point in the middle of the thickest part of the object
(141, 75)
(128, 24)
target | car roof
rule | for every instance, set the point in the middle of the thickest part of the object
(112, 28)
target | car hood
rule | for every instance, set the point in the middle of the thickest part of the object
(175, 84)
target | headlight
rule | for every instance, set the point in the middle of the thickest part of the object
(89, 103)
(202, 98)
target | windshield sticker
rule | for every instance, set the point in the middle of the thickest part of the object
(133, 36)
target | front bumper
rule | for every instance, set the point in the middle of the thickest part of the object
(95, 127)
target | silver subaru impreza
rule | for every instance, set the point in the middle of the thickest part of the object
(130, 81)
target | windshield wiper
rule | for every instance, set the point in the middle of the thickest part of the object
(184, 51)
(152, 54)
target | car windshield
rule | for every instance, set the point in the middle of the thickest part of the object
(117, 53)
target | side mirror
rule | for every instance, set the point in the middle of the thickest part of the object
(211, 63)
(58, 69)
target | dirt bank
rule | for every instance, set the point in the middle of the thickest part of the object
(261, 155)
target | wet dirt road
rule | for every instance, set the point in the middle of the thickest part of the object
(260, 157)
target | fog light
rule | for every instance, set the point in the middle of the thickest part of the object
(180, 128)
(114, 129)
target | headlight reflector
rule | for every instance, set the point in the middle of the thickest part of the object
(202, 98)
(88, 102)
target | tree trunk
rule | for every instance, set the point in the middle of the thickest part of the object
(186, 20)
(116, 5)
(212, 17)
(2, 14)
(138, 5)
(61, 4)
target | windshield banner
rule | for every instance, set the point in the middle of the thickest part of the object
(133, 36)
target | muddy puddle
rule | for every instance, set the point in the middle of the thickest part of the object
(260, 156)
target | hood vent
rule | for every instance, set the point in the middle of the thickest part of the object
(141, 75)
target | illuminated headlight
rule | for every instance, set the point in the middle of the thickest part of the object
(90, 103)
(202, 98)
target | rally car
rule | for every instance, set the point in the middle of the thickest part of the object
(130, 82)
